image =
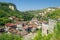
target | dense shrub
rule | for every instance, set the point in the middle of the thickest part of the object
(40, 37)
(57, 34)
(10, 37)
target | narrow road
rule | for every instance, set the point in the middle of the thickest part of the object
(29, 36)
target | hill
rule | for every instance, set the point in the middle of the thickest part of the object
(7, 10)
(46, 13)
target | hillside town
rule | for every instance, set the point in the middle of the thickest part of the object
(21, 27)
(29, 25)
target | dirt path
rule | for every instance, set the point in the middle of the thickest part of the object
(29, 36)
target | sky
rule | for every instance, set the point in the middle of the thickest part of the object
(24, 5)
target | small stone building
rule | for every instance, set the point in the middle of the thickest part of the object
(9, 26)
(49, 27)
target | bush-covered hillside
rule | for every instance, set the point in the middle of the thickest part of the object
(55, 14)
(5, 13)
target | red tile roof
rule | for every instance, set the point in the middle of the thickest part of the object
(25, 27)
(10, 24)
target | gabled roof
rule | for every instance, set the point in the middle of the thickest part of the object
(10, 25)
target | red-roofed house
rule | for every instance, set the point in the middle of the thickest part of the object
(9, 26)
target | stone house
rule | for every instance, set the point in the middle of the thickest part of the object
(19, 26)
(44, 29)
(9, 26)
(12, 17)
(52, 25)
(15, 18)
(36, 23)
(49, 27)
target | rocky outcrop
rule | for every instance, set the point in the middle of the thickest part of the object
(9, 5)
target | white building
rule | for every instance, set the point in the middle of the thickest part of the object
(52, 25)
(19, 26)
(48, 28)
(44, 29)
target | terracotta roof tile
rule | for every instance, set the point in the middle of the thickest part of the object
(10, 24)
